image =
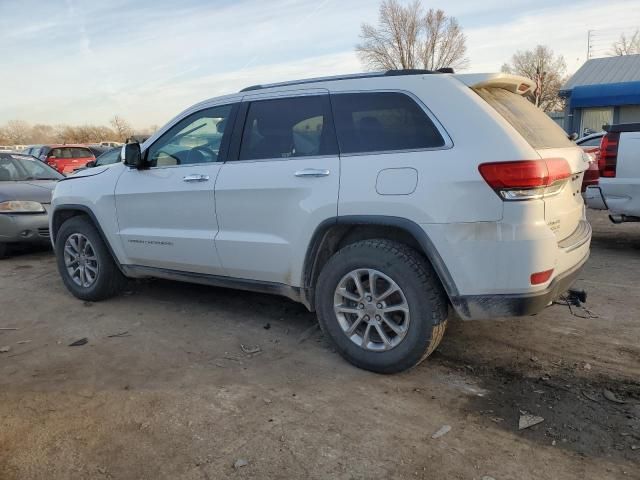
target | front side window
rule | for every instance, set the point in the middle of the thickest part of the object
(195, 139)
(288, 128)
(60, 153)
(382, 121)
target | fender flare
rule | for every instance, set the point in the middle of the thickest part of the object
(412, 228)
(88, 212)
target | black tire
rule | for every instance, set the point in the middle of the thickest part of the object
(4, 250)
(109, 280)
(426, 299)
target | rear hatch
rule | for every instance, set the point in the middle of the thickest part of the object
(506, 94)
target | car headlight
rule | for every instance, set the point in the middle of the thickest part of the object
(21, 206)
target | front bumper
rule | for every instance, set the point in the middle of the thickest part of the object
(24, 228)
(472, 307)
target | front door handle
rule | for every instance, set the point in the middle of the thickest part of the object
(312, 172)
(196, 177)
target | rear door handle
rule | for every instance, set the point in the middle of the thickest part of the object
(312, 172)
(196, 177)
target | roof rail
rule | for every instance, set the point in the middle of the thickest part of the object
(388, 73)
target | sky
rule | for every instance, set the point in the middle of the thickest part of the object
(83, 61)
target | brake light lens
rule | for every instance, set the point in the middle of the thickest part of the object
(608, 160)
(526, 179)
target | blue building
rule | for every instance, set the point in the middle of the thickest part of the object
(603, 91)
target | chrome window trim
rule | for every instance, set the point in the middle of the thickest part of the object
(283, 159)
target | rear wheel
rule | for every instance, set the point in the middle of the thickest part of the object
(382, 305)
(84, 262)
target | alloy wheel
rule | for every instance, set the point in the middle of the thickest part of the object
(80, 260)
(371, 309)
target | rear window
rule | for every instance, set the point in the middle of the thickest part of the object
(529, 121)
(382, 121)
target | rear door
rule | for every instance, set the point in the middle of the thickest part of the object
(79, 158)
(563, 211)
(280, 185)
(166, 213)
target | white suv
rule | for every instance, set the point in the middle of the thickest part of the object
(376, 200)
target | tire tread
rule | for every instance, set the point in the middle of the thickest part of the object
(429, 283)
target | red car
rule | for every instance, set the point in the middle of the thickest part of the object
(591, 146)
(66, 158)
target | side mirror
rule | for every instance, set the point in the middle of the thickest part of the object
(573, 137)
(132, 156)
(90, 164)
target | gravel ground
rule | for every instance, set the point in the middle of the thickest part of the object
(173, 395)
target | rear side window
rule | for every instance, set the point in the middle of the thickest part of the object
(80, 153)
(288, 128)
(535, 126)
(382, 121)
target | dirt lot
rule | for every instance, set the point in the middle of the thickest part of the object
(176, 397)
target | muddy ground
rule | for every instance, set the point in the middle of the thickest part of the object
(174, 396)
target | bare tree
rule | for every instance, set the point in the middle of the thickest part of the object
(445, 44)
(121, 127)
(407, 37)
(41, 133)
(17, 131)
(545, 69)
(626, 45)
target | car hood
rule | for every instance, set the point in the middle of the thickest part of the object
(87, 172)
(34, 190)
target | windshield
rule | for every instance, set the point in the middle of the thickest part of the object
(112, 156)
(16, 168)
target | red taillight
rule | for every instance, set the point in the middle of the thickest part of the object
(608, 159)
(526, 179)
(541, 277)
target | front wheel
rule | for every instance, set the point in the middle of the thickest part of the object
(382, 305)
(85, 264)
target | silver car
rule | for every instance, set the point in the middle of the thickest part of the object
(25, 195)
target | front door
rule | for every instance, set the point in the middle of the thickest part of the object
(281, 182)
(166, 213)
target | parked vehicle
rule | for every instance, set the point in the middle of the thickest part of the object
(65, 158)
(97, 149)
(33, 150)
(619, 161)
(6, 148)
(25, 196)
(107, 158)
(591, 146)
(111, 144)
(377, 200)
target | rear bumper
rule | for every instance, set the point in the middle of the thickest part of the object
(472, 307)
(621, 196)
(24, 228)
(594, 199)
